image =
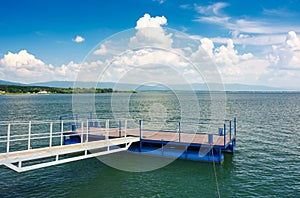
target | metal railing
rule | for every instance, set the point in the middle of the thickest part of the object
(15, 136)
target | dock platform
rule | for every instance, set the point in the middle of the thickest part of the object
(33, 145)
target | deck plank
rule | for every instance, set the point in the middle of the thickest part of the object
(196, 138)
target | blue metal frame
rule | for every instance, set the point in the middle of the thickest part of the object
(189, 151)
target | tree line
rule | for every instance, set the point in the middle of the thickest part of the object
(16, 89)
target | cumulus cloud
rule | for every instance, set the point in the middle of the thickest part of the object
(102, 50)
(232, 65)
(292, 41)
(163, 50)
(78, 39)
(150, 32)
(22, 65)
(208, 46)
(228, 55)
(25, 67)
(22, 58)
(148, 21)
(286, 55)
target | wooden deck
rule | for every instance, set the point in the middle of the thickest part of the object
(167, 136)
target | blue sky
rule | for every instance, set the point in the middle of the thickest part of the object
(264, 35)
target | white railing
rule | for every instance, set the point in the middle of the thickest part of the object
(17, 136)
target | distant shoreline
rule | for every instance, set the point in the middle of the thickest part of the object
(41, 90)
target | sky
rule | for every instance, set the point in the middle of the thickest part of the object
(252, 42)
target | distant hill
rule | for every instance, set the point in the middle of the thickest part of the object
(124, 86)
(195, 86)
(2, 82)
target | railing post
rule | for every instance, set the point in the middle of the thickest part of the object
(179, 132)
(61, 132)
(81, 136)
(8, 138)
(230, 129)
(29, 134)
(120, 128)
(50, 140)
(106, 129)
(224, 134)
(60, 118)
(234, 126)
(125, 128)
(141, 135)
(76, 117)
(87, 131)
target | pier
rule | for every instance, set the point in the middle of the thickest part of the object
(31, 145)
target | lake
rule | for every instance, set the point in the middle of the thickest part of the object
(266, 162)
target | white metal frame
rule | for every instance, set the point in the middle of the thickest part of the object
(15, 159)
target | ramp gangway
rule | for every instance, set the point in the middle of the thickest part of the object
(29, 158)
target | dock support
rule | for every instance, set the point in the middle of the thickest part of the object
(179, 132)
(50, 138)
(29, 134)
(81, 135)
(162, 147)
(125, 128)
(230, 129)
(60, 118)
(87, 131)
(76, 122)
(186, 152)
(141, 125)
(234, 126)
(61, 132)
(120, 128)
(106, 129)
(224, 134)
(8, 138)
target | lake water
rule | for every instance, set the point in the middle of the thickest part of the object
(266, 162)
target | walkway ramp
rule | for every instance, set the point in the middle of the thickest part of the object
(54, 155)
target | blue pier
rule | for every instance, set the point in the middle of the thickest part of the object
(173, 142)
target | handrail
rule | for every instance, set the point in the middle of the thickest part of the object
(59, 130)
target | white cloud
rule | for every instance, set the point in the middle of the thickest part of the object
(280, 67)
(282, 12)
(25, 67)
(160, 1)
(211, 9)
(147, 21)
(150, 32)
(286, 55)
(102, 50)
(233, 66)
(185, 6)
(78, 39)
(213, 19)
(292, 41)
(212, 14)
(249, 40)
(208, 46)
(22, 58)
(228, 55)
